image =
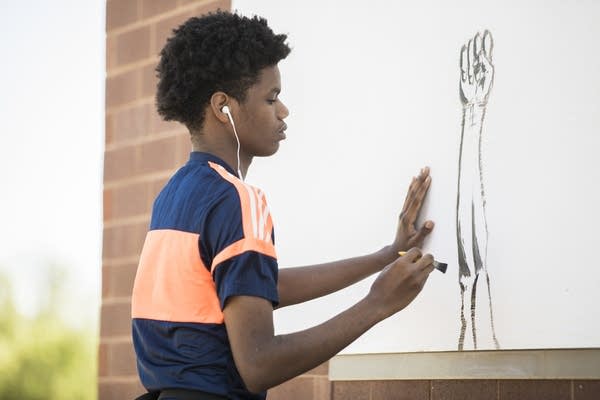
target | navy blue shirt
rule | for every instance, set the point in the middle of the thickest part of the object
(210, 238)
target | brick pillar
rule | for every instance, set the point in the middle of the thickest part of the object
(141, 153)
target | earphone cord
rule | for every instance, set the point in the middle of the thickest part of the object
(238, 147)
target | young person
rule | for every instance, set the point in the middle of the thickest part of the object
(208, 279)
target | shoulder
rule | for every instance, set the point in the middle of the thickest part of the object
(194, 193)
(250, 201)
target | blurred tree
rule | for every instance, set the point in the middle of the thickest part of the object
(42, 357)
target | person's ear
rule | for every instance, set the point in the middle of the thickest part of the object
(217, 101)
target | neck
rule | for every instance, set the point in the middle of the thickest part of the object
(224, 151)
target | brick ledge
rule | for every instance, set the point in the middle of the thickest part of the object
(498, 364)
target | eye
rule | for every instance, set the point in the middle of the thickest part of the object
(271, 101)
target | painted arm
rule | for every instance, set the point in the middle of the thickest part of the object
(300, 284)
(476, 81)
(265, 360)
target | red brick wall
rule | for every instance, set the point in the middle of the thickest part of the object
(467, 390)
(314, 385)
(141, 153)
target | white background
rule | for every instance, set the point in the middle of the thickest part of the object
(373, 95)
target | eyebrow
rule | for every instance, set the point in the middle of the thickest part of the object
(275, 90)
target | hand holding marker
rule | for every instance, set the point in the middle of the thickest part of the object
(437, 265)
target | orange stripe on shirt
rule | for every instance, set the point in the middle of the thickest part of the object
(244, 198)
(242, 246)
(260, 212)
(256, 220)
(266, 213)
(172, 283)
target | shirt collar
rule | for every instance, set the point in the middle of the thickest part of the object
(199, 156)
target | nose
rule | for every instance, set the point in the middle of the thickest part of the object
(283, 111)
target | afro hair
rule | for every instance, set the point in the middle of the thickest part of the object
(218, 51)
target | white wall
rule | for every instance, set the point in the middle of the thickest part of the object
(373, 94)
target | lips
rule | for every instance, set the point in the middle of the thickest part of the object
(281, 131)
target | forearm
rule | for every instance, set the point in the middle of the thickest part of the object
(470, 146)
(473, 115)
(300, 284)
(286, 356)
(265, 360)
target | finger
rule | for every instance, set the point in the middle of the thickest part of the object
(416, 185)
(414, 209)
(409, 195)
(464, 64)
(488, 45)
(470, 61)
(425, 262)
(423, 174)
(412, 255)
(412, 212)
(477, 45)
(477, 56)
(486, 62)
(414, 198)
(488, 71)
(424, 275)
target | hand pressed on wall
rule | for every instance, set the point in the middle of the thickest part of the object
(407, 234)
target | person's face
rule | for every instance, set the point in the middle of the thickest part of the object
(261, 125)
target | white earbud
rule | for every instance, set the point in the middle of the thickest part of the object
(226, 110)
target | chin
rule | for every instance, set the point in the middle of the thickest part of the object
(268, 151)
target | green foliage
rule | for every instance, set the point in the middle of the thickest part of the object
(42, 357)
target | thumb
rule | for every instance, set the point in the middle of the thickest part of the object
(422, 233)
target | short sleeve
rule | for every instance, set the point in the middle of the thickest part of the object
(249, 274)
(236, 243)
